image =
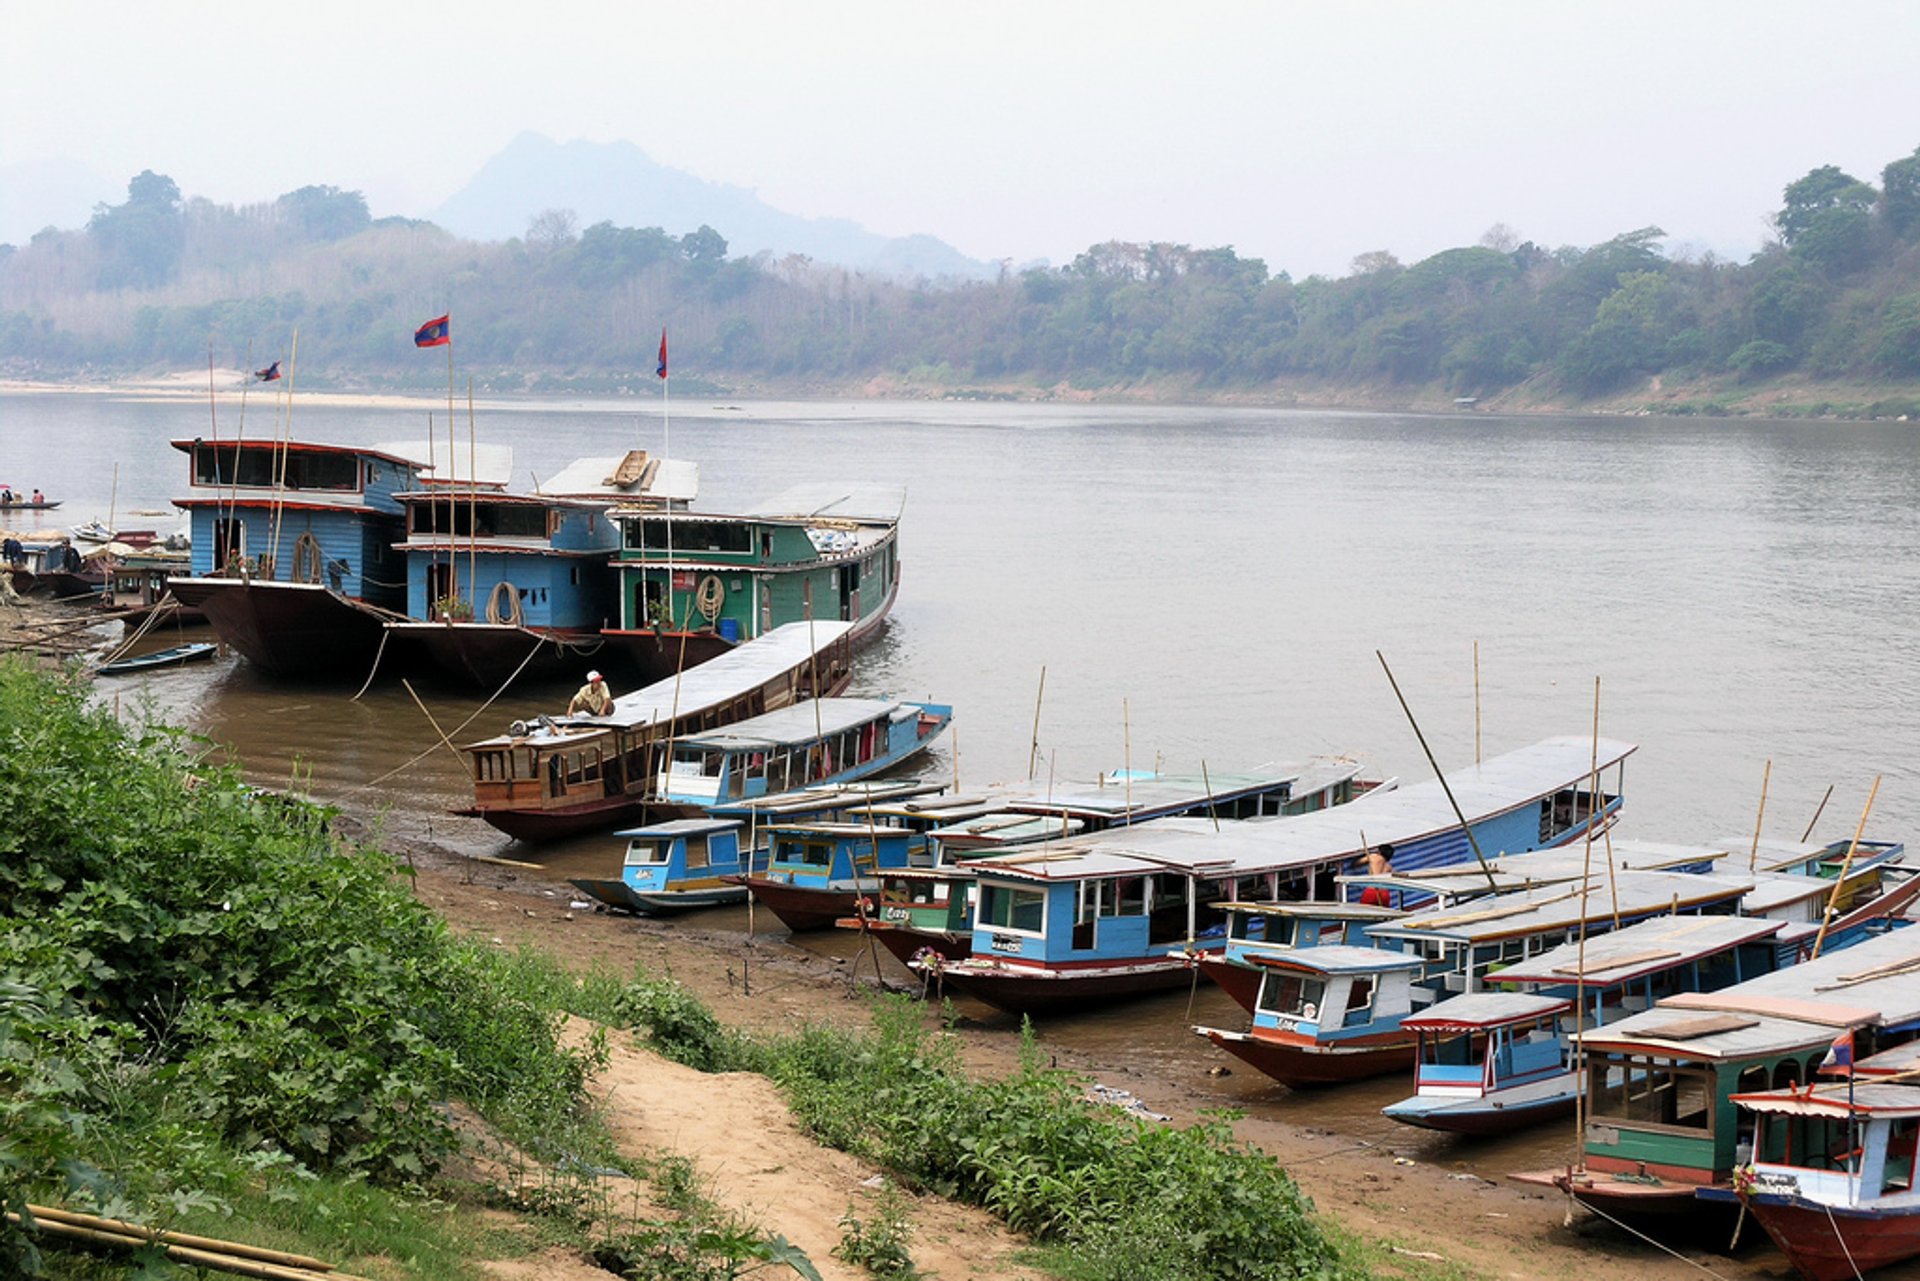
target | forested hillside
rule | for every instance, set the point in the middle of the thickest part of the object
(148, 284)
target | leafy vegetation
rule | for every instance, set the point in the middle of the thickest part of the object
(1112, 1197)
(155, 280)
(213, 1011)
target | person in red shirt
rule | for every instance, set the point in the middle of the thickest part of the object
(1379, 863)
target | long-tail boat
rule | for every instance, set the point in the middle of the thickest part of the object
(572, 774)
(677, 866)
(1095, 918)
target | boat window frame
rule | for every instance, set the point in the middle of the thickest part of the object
(1016, 897)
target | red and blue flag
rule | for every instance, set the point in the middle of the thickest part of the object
(660, 371)
(270, 374)
(1839, 1060)
(434, 333)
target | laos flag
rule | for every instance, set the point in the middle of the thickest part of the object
(660, 370)
(1839, 1060)
(433, 334)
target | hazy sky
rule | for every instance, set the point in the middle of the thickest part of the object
(1301, 134)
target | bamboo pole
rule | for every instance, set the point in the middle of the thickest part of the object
(1126, 760)
(1473, 842)
(473, 507)
(1033, 750)
(1476, 702)
(1846, 865)
(54, 1214)
(1753, 855)
(1818, 810)
(1207, 783)
(445, 741)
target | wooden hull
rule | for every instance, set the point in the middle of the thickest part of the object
(1029, 990)
(1241, 982)
(1642, 1197)
(654, 656)
(164, 614)
(618, 894)
(177, 656)
(802, 907)
(1836, 1243)
(296, 630)
(65, 585)
(574, 819)
(1312, 1065)
(908, 941)
(1484, 1117)
(490, 655)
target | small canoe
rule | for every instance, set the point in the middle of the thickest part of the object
(172, 657)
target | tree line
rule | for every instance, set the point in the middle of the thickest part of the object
(158, 280)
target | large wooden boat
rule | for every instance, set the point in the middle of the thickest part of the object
(825, 742)
(504, 585)
(693, 585)
(1095, 918)
(573, 774)
(1662, 1124)
(293, 545)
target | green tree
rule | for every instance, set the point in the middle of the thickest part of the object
(1826, 218)
(1900, 195)
(1899, 349)
(141, 240)
(324, 213)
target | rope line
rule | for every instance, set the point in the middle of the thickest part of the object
(409, 764)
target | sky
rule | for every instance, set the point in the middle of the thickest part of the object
(1302, 134)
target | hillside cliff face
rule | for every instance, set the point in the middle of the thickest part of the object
(617, 182)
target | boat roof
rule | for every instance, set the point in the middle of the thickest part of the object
(680, 827)
(816, 797)
(1674, 1032)
(838, 829)
(1876, 981)
(672, 479)
(721, 679)
(1901, 1058)
(838, 501)
(1317, 909)
(1837, 1100)
(1637, 950)
(797, 723)
(1780, 889)
(1115, 795)
(1336, 958)
(1335, 834)
(1476, 1010)
(1570, 862)
(1548, 908)
(1773, 854)
(458, 463)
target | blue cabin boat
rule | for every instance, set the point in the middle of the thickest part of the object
(823, 741)
(1120, 913)
(818, 872)
(293, 545)
(678, 865)
(1456, 950)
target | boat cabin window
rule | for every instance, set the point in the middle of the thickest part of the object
(1642, 1093)
(806, 853)
(1259, 925)
(688, 536)
(696, 852)
(1296, 996)
(644, 853)
(1010, 908)
(256, 467)
(1360, 1000)
(492, 767)
(1453, 1049)
(694, 761)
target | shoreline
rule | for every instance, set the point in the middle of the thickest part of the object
(1423, 1208)
(1789, 398)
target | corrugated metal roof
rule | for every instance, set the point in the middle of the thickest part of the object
(1342, 832)
(1880, 974)
(1643, 948)
(674, 479)
(681, 827)
(1486, 1009)
(1834, 1100)
(1556, 907)
(837, 500)
(798, 723)
(1337, 958)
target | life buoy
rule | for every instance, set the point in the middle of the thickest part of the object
(710, 596)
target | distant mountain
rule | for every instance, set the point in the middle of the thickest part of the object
(617, 182)
(38, 194)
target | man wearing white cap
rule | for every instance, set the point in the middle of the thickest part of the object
(594, 698)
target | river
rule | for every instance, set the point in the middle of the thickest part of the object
(1209, 585)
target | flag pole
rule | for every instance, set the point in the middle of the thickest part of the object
(453, 500)
(666, 497)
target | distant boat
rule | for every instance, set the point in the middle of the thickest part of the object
(93, 531)
(175, 656)
(22, 505)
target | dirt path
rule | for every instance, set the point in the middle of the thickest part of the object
(739, 1134)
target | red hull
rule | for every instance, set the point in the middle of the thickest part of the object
(288, 629)
(1840, 1244)
(1063, 992)
(799, 907)
(1240, 982)
(1301, 1067)
(535, 826)
(907, 942)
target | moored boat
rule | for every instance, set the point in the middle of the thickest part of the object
(573, 774)
(819, 872)
(172, 656)
(677, 866)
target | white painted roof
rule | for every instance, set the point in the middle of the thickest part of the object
(478, 464)
(675, 479)
(839, 501)
(1644, 947)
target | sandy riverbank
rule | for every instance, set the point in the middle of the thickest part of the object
(1486, 1228)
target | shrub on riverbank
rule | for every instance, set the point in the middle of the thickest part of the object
(202, 992)
(1111, 1196)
